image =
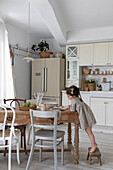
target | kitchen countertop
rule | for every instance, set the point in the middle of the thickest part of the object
(103, 94)
(108, 94)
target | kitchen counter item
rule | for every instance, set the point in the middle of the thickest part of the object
(86, 71)
(106, 86)
(91, 86)
(27, 108)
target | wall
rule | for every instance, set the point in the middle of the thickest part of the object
(22, 69)
(54, 46)
(90, 35)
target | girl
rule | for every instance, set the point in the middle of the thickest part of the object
(86, 116)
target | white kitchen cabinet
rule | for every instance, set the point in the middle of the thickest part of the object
(109, 112)
(86, 54)
(65, 100)
(100, 53)
(85, 97)
(110, 60)
(72, 65)
(98, 108)
(102, 108)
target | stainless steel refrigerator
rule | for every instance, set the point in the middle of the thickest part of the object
(48, 77)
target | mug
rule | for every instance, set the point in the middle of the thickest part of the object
(42, 107)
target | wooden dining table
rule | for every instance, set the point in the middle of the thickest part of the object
(67, 116)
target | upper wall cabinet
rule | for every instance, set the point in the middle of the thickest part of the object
(100, 53)
(72, 51)
(110, 60)
(86, 54)
(72, 65)
(96, 54)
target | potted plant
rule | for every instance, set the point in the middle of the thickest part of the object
(91, 84)
(42, 47)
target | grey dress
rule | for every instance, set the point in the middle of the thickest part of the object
(86, 116)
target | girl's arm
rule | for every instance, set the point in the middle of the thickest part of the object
(68, 107)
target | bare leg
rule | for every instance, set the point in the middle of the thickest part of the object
(92, 138)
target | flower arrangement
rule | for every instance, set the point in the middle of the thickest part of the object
(88, 81)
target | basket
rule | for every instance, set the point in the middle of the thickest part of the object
(45, 54)
(27, 108)
(86, 71)
(91, 86)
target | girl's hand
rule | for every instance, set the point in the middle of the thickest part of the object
(68, 106)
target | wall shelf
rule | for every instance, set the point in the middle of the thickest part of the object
(97, 74)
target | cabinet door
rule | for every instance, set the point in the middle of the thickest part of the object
(72, 72)
(100, 53)
(86, 54)
(52, 77)
(98, 108)
(72, 51)
(38, 76)
(111, 53)
(65, 100)
(109, 112)
(86, 98)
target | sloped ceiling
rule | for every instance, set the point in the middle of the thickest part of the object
(68, 21)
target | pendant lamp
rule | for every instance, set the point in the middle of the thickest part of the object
(28, 58)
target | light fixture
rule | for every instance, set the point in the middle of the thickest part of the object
(28, 58)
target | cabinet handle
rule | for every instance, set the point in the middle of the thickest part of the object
(105, 102)
(45, 79)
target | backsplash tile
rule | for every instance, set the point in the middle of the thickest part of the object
(99, 78)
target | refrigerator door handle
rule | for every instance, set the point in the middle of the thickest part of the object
(45, 79)
(43, 82)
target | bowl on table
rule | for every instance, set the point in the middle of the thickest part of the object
(27, 108)
(50, 104)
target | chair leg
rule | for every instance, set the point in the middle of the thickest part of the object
(62, 152)
(9, 156)
(89, 160)
(29, 133)
(87, 156)
(6, 142)
(25, 140)
(32, 149)
(18, 157)
(21, 140)
(55, 156)
(40, 154)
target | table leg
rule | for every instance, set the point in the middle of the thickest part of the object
(69, 143)
(76, 145)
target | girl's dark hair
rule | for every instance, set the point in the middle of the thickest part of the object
(73, 91)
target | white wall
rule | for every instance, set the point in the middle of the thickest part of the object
(90, 35)
(54, 46)
(21, 68)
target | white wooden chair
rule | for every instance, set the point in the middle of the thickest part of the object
(11, 135)
(48, 133)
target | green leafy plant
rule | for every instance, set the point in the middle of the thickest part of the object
(42, 46)
(88, 81)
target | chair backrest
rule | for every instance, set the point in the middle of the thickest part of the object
(45, 114)
(14, 100)
(5, 107)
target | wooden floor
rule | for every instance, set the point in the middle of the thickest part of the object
(105, 144)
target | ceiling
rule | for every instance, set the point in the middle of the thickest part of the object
(62, 19)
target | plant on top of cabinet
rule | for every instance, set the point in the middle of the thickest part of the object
(42, 47)
(91, 84)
